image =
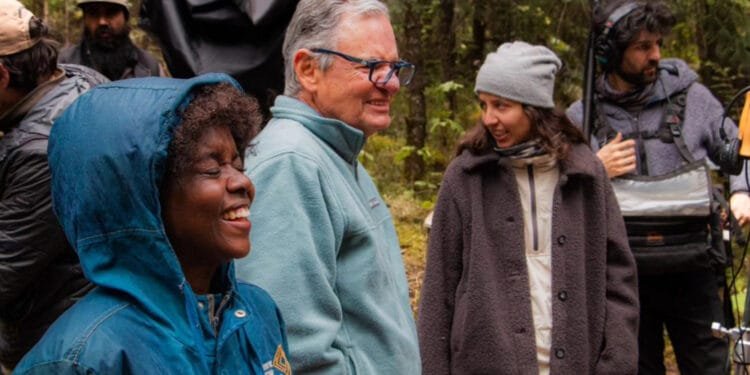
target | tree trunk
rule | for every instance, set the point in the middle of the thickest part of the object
(478, 29)
(706, 51)
(447, 41)
(416, 121)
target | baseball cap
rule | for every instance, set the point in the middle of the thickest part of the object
(14, 28)
(124, 3)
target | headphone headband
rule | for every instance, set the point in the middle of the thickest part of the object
(616, 16)
(606, 49)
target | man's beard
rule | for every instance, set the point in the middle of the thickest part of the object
(109, 56)
(640, 79)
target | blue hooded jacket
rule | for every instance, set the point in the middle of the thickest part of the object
(108, 156)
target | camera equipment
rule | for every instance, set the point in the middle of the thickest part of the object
(606, 48)
(740, 336)
(727, 155)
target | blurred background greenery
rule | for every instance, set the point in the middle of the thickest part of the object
(447, 40)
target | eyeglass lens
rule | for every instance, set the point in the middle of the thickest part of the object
(380, 75)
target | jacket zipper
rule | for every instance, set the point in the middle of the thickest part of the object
(532, 197)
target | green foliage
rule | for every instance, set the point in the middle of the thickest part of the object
(380, 159)
(384, 157)
(713, 36)
(453, 37)
(443, 123)
(437, 124)
(448, 87)
(408, 217)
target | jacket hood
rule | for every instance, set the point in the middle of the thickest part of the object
(107, 154)
(674, 76)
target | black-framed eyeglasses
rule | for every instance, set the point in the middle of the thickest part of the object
(402, 69)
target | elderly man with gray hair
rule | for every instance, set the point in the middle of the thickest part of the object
(325, 246)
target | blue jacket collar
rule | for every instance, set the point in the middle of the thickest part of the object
(344, 139)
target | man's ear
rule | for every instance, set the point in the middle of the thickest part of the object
(4, 78)
(307, 70)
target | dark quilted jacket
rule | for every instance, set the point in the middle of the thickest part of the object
(39, 272)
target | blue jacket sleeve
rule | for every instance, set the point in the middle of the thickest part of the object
(297, 231)
(62, 367)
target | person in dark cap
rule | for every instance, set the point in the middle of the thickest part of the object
(40, 276)
(106, 45)
(528, 266)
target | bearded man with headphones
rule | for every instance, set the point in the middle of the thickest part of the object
(654, 129)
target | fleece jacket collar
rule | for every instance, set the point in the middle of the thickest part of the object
(347, 141)
(578, 161)
(674, 76)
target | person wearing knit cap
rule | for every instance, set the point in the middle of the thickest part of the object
(520, 72)
(40, 276)
(528, 265)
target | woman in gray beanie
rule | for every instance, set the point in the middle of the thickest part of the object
(528, 266)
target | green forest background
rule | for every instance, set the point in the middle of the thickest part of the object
(447, 40)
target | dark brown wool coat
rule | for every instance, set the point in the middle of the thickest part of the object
(475, 310)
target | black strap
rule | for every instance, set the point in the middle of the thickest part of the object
(602, 131)
(734, 225)
(674, 116)
(669, 131)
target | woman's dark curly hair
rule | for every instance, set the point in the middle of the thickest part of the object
(550, 125)
(220, 105)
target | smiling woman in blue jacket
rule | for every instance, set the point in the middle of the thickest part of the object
(147, 182)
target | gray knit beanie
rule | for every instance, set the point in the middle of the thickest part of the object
(520, 72)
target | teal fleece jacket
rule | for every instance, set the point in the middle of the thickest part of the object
(324, 246)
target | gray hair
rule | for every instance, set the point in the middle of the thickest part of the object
(314, 25)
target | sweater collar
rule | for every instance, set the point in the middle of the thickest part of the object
(580, 161)
(347, 141)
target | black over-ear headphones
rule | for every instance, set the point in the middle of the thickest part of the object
(727, 155)
(606, 50)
